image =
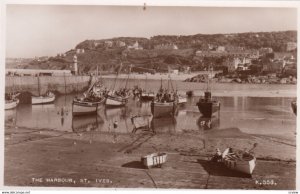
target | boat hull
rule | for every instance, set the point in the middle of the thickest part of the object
(245, 167)
(166, 109)
(208, 108)
(182, 100)
(11, 104)
(155, 159)
(84, 108)
(43, 99)
(116, 101)
(147, 96)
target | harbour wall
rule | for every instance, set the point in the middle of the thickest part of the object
(40, 85)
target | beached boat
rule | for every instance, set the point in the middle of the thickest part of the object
(49, 97)
(10, 104)
(243, 162)
(115, 100)
(207, 106)
(163, 109)
(83, 106)
(166, 103)
(120, 97)
(294, 107)
(43, 99)
(154, 159)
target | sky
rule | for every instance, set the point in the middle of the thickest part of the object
(45, 30)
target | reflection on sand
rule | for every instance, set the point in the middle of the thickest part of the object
(163, 125)
(86, 123)
(208, 123)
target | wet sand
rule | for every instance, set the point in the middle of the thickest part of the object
(99, 159)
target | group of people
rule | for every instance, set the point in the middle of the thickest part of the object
(164, 95)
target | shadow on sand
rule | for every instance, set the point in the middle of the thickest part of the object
(134, 164)
(218, 169)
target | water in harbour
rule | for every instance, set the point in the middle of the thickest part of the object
(254, 115)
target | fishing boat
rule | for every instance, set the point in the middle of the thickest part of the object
(49, 97)
(82, 106)
(207, 106)
(92, 100)
(43, 99)
(146, 95)
(115, 100)
(10, 104)
(154, 159)
(165, 104)
(294, 107)
(120, 97)
(243, 162)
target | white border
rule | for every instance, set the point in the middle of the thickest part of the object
(293, 4)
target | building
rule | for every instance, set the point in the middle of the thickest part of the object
(79, 51)
(108, 43)
(120, 43)
(236, 63)
(264, 51)
(37, 72)
(291, 46)
(220, 49)
(135, 46)
(166, 46)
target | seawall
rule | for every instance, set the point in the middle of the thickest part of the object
(35, 85)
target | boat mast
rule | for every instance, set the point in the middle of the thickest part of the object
(127, 78)
(39, 85)
(117, 77)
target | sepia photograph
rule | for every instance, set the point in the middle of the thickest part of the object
(150, 96)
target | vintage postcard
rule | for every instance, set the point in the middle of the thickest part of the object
(176, 96)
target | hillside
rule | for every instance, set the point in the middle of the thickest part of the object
(109, 53)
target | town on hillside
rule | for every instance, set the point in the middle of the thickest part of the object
(264, 57)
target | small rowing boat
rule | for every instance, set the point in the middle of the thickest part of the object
(240, 161)
(10, 104)
(154, 159)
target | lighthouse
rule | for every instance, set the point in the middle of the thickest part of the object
(75, 65)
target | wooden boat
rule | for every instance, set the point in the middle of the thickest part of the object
(165, 103)
(116, 100)
(42, 99)
(83, 107)
(243, 162)
(10, 104)
(182, 99)
(162, 109)
(147, 96)
(140, 121)
(207, 106)
(294, 107)
(154, 159)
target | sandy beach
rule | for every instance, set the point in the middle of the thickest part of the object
(41, 157)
